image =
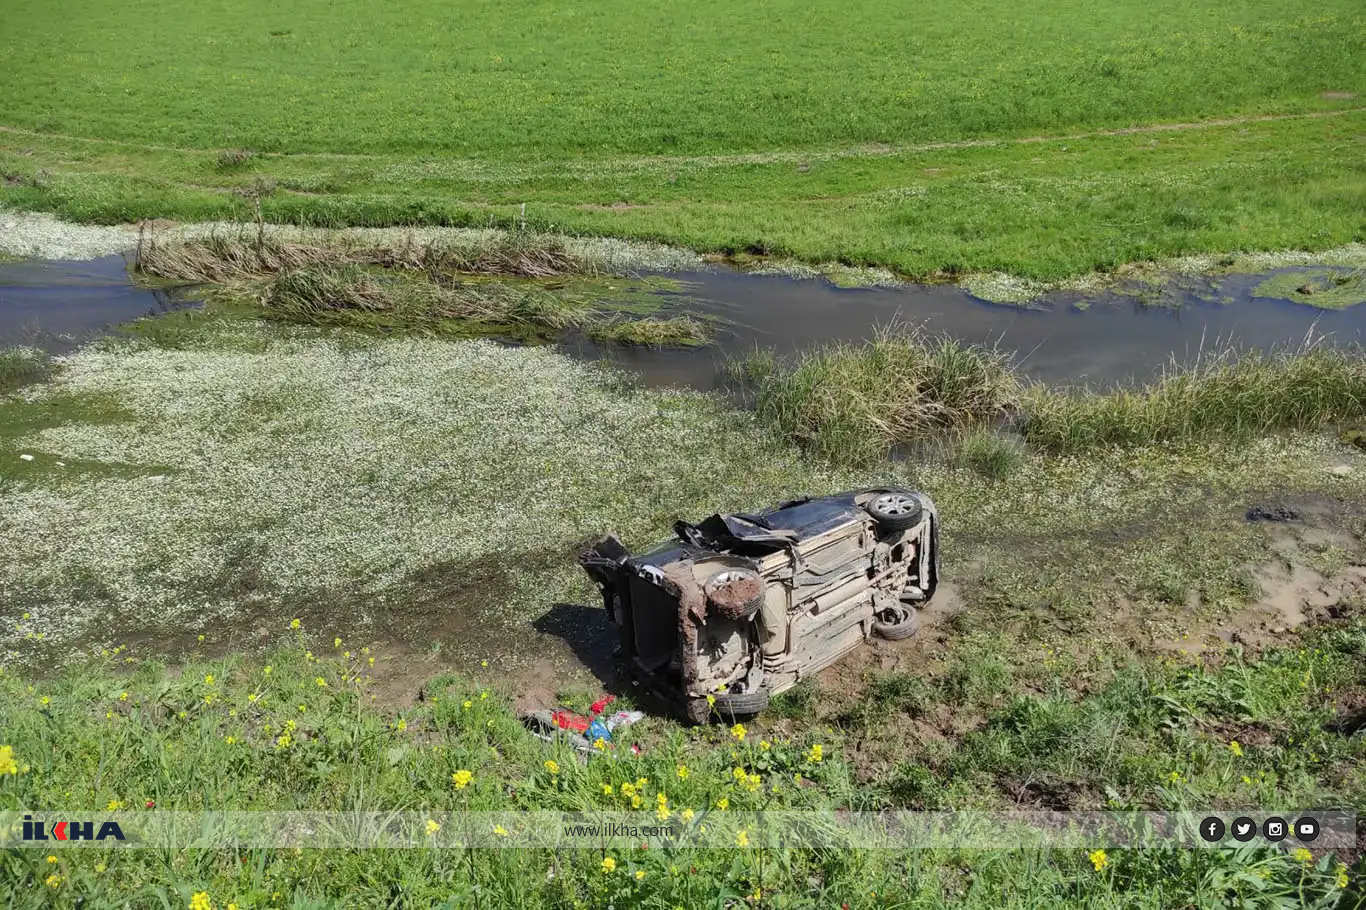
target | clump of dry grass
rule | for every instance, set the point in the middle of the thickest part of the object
(511, 254)
(350, 294)
(219, 257)
(252, 252)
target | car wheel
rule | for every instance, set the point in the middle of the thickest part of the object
(735, 594)
(738, 705)
(896, 631)
(894, 510)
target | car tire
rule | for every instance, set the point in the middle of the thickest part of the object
(895, 510)
(896, 631)
(734, 706)
(725, 606)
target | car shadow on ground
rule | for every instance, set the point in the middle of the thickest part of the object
(589, 634)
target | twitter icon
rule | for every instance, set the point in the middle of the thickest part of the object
(1243, 829)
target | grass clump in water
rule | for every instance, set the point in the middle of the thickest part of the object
(994, 455)
(853, 402)
(1229, 394)
(23, 366)
(249, 252)
(652, 331)
(362, 297)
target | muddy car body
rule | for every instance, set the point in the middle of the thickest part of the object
(740, 607)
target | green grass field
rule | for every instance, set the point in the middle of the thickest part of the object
(813, 130)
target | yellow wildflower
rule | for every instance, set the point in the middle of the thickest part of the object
(607, 790)
(320, 683)
(640, 873)
(336, 642)
(7, 763)
(1340, 875)
(738, 731)
(432, 827)
(53, 881)
(468, 704)
(635, 802)
(686, 815)
(401, 725)
(268, 669)
(51, 858)
(500, 831)
(123, 696)
(1235, 748)
(294, 624)
(200, 901)
(682, 772)
(765, 745)
(742, 838)
(723, 804)
(711, 701)
(462, 779)
(816, 755)
(608, 864)
(600, 744)
(1302, 855)
(1099, 860)
(552, 766)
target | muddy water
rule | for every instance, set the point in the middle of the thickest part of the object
(58, 306)
(1100, 339)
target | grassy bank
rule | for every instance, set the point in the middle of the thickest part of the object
(427, 499)
(546, 82)
(1043, 210)
(1043, 143)
(852, 403)
(295, 729)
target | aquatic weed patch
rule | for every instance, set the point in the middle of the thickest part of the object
(1329, 289)
(473, 448)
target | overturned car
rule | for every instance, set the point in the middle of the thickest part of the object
(740, 607)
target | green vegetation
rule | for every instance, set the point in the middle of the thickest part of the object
(1225, 394)
(291, 730)
(429, 287)
(915, 150)
(1326, 288)
(993, 455)
(546, 81)
(681, 331)
(22, 366)
(853, 403)
(250, 496)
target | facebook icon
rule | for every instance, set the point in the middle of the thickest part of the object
(1212, 829)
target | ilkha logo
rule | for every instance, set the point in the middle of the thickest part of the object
(39, 829)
